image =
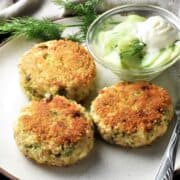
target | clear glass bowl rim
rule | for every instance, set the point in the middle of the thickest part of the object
(120, 9)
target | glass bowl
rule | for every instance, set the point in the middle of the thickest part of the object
(143, 10)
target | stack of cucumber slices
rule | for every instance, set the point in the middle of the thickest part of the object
(121, 47)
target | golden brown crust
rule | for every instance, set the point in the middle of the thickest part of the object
(53, 66)
(129, 106)
(58, 120)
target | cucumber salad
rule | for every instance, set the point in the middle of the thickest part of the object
(139, 43)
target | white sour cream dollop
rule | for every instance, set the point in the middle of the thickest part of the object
(156, 33)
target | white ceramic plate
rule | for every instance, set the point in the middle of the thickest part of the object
(105, 162)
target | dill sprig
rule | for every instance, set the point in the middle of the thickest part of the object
(46, 29)
(132, 53)
(85, 11)
(134, 49)
(32, 28)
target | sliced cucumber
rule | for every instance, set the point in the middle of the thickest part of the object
(116, 39)
(150, 58)
(163, 58)
(131, 53)
(135, 18)
(121, 49)
(120, 35)
(104, 42)
(113, 60)
(176, 52)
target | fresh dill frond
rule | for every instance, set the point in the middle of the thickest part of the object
(47, 30)
(86, 12)
(132, 49)
(132, 53)
(32, 28)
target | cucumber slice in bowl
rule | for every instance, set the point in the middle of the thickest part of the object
(163, 58)
(176, 52)
(131, 53)
(149, 59)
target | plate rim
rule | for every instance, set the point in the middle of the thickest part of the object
(7, 174)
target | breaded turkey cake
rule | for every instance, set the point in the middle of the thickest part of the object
(58, 67)
(132, 114)
(55, 132)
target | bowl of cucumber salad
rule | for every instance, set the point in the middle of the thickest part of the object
(137, 42)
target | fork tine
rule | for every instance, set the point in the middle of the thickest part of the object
(169, 174)
(166, 177)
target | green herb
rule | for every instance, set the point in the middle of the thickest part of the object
(32, 28)
(47, 30)
(53, 113)
(32, 146)
(67, 152)
(132, 53)
(86, 12)
(133, 49)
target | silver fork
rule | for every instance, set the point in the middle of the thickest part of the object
(167, 164)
